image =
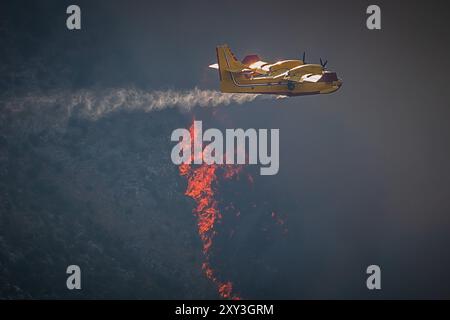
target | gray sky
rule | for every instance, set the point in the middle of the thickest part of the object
(364, 175)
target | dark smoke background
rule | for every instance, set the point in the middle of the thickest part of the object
(364, 174)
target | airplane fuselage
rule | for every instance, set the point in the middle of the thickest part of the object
(268, 85)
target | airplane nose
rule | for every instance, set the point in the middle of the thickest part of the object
(329, 77)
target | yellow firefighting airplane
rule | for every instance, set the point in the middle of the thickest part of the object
(286, 77)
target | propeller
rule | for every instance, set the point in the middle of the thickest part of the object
(304, 57)
(323, 63)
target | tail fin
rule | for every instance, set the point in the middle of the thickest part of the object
(227, 64)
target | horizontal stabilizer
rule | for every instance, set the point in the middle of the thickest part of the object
(237, 70)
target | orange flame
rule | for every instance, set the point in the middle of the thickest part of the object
(201, 183)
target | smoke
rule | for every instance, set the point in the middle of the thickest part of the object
(37, 110)
(94, 105)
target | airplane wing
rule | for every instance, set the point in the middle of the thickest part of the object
(283, 75)
(293, 78)
(279, 73)
(310, 77)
